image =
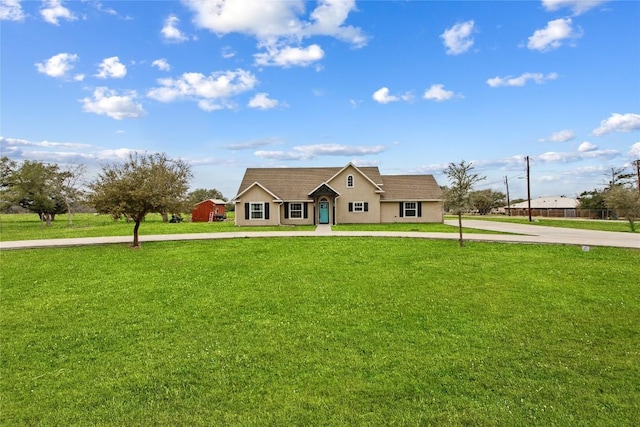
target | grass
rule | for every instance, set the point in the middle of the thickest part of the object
(585, 224)
(400, 227)
(320, 331)
(28, 227)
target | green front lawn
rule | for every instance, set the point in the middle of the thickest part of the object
(320, 331)
(29, 227)
(409, 227)
(586, 224)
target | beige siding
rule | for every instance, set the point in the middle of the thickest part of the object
(297, 221)
(257, 195)
(362, 191)
(431, 212)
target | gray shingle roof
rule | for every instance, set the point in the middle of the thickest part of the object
(297, 183)
(410, 187)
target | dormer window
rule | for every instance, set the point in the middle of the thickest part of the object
(350, 181)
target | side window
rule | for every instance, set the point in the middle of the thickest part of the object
(350, 181)
(295, 210)
(410, 209)
(257, 211)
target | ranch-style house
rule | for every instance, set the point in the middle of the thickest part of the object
(334, 195)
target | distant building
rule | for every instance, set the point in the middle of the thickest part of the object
(554, 207)
(209, 210)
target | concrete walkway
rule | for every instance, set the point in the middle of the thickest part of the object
(526, 234)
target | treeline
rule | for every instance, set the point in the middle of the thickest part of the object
(143, 184)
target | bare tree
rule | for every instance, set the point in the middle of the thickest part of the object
(70, 187)
(461, 182)
(143, 184)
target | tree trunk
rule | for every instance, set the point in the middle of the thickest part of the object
(165, 217)
(460, 228)
(136, 243)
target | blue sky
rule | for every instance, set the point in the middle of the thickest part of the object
(407, 86)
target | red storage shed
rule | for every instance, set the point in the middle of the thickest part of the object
(209, 210)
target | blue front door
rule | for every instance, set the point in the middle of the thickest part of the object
(324, 213)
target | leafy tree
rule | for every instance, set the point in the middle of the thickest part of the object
(200, 194)
(7, 169)
(594, 200)
(141, 185)
(35, 187)
(485, 200)
(461, 182)
(626, 203)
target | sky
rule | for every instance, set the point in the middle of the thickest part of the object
(408, 86)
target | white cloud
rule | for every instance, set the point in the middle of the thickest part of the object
(577, 6)
(98, 5)
(552, 36)
(457, 39)
(328, 20)
(560, 136)
(111, 68)
(306, 152)
(108, 102)
(11, 10)
(212, 92)
(53, 10)
(438, 93)
(78, 77)
(521, 80)
(58, 65)
(635, 150)
(263, 102)
(566, 157)
(228, 52)
(618, 123)
(249, 145)
(270, 21)
(170, 30)
(587, 146)
(382, 96)
(15, 142)
(162, 64)
(290, 56)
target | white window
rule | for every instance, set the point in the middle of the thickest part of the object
(349, 181)
(411, 209)
(295, 210)
(257, 211)
(358, 206)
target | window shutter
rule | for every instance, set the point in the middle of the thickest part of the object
(401, 209)
(350, 207)
(266, 211)
(246, 211)
(366, 206)
(305, 213)
(419, 209)
(286, 210)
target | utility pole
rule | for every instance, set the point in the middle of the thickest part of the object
(528, 190)
(506, 182)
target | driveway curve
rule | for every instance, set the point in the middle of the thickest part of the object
(523, 233)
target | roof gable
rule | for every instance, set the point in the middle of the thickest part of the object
(297, 183)
(351, 165)
(214, 201)
(258, 185)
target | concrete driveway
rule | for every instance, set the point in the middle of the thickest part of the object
(526, 234)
